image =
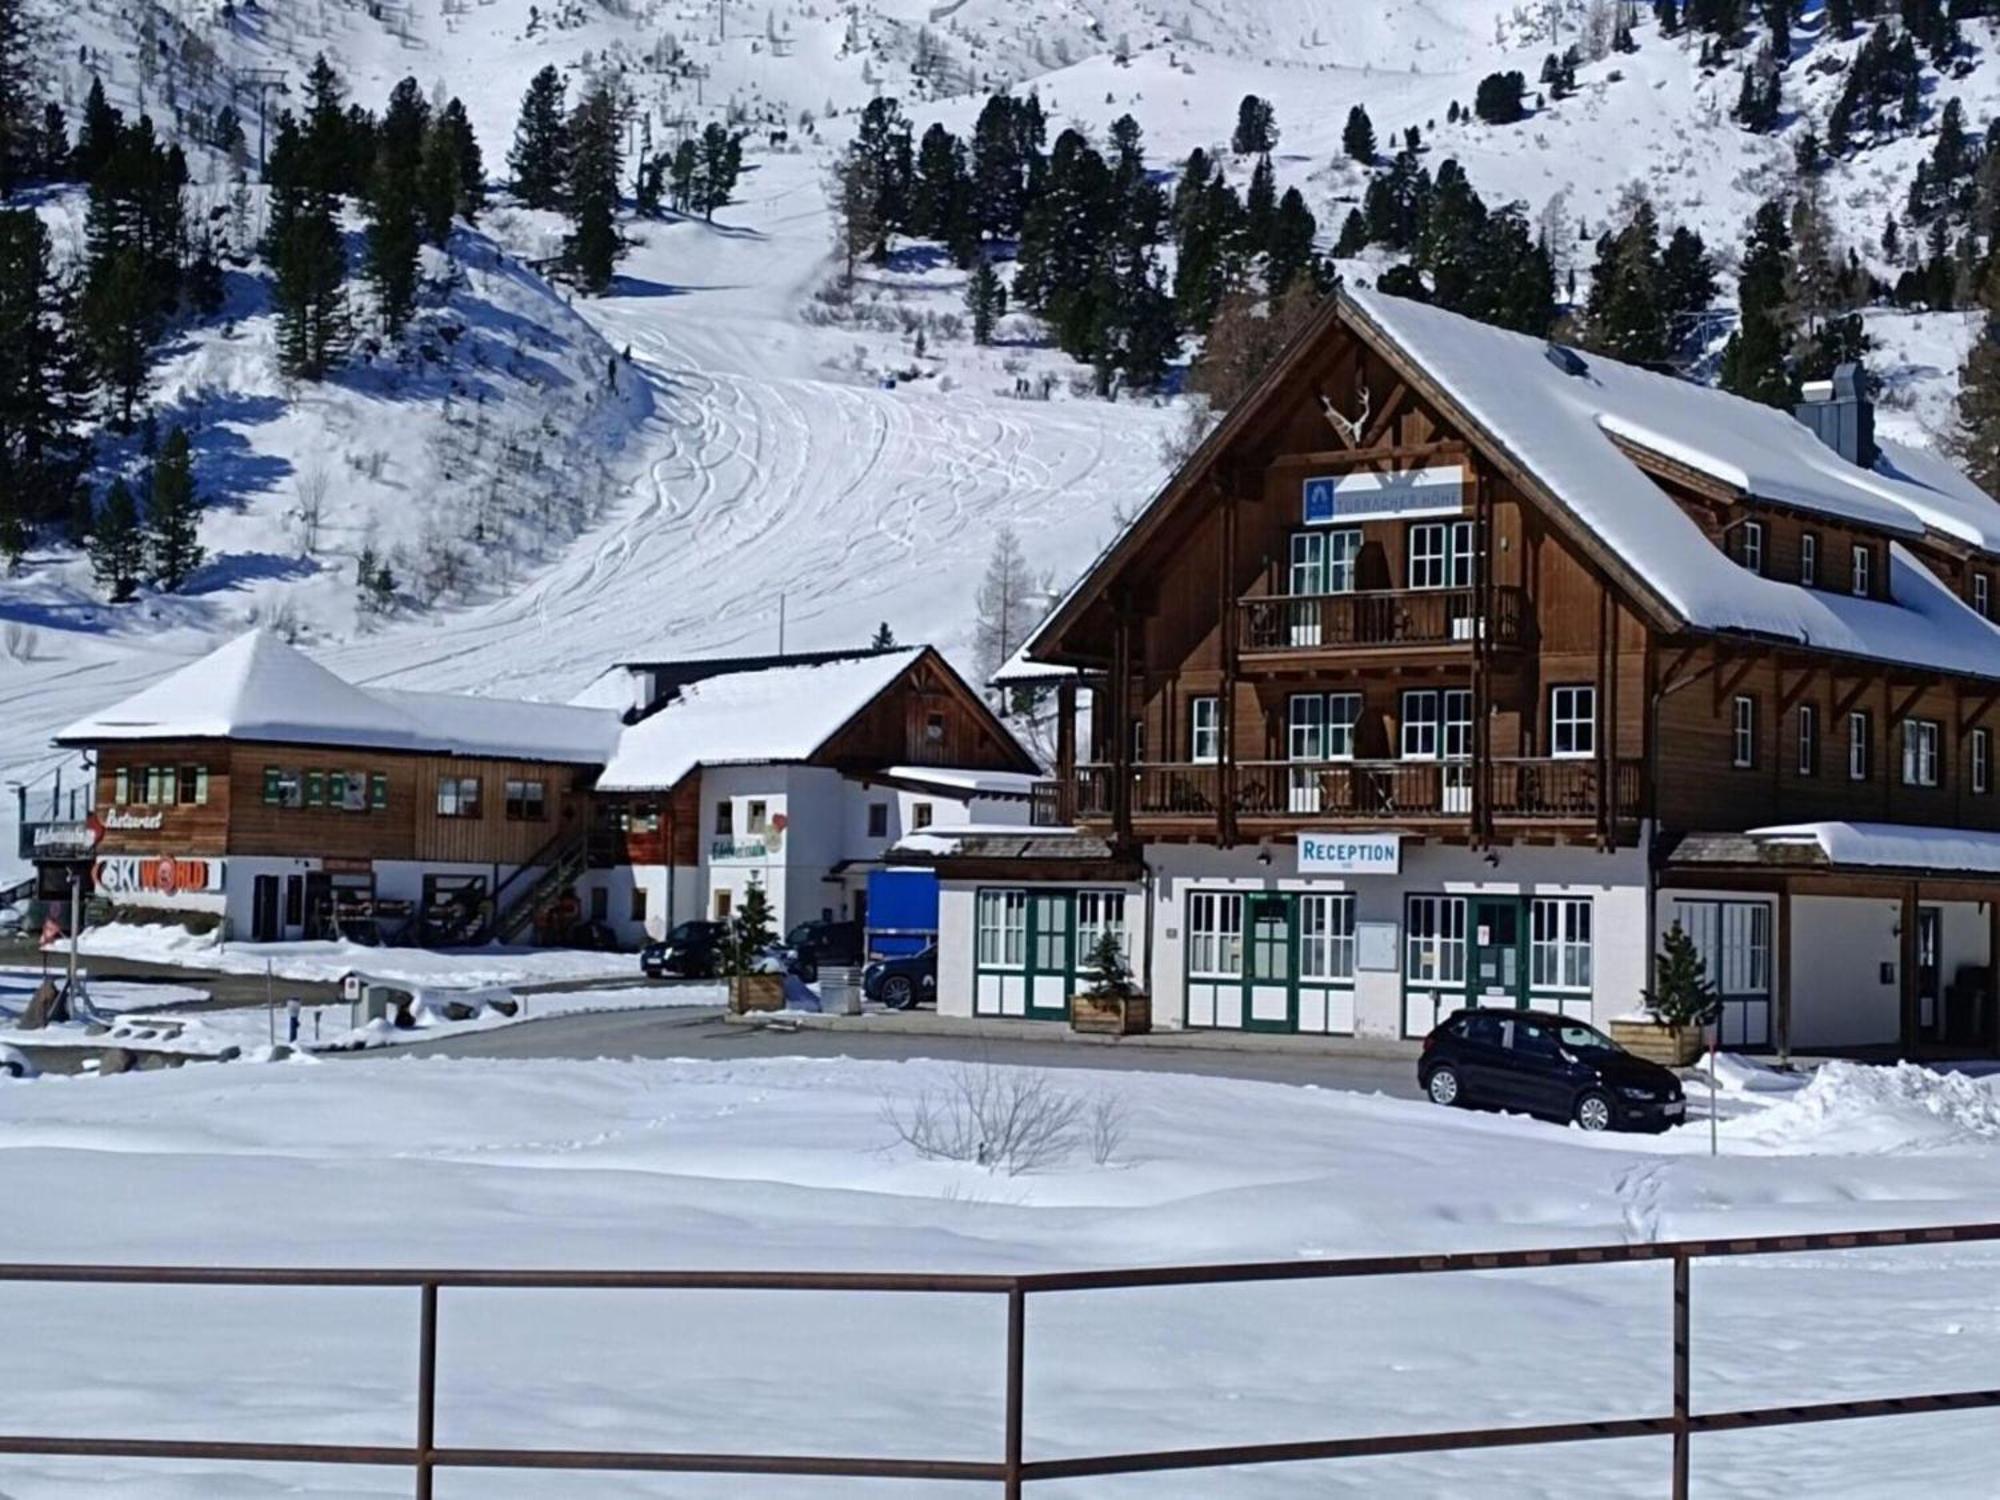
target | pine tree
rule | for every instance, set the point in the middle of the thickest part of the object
(684, 176)
(1976, 437)
(1625, 316)
(1754, 360)
(455, 126)
(98, 138)
(1006, 162)
(939, 189)
(1498, 99)
(1005, 612)
(120, 324)
(593, 246)
(308, 259)
(117, 544)
(1358, 139)
(750, 931)
(1687, 276)
(1260, 207)
(884, 138)
(1681, 994)
(985, 301)
(395, 233)
(540, 158)
(885, 638)
(1293, 231)
(1256, 131)
(19, 149)
(721, 165)
(41, 451)
(173, 513)
(448, 184)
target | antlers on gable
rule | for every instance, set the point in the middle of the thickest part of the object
(1349, 430)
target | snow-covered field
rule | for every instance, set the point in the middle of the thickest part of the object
(793, 1163)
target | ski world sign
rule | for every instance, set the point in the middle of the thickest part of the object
(1331, 499)
(1350, 853)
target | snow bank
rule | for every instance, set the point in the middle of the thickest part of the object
(1851, 1108)
(327, 962)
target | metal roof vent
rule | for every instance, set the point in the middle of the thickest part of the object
(1567, 360)
(1841, 415)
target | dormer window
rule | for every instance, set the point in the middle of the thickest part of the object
(1809, 559)
(1864, 571)
(1982, 594)
(1750, 546)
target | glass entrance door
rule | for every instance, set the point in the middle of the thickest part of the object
(1499, 977)
(1930, 927)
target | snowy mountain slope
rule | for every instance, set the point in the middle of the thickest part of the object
(753, 452)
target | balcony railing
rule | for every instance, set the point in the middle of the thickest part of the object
(1379, 618)
(1518, 790)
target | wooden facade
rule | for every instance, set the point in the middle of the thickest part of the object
(1197, 638)
(395, 816)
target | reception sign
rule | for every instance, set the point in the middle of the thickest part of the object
(1350, 853)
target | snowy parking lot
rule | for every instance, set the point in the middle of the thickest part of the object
(799, 1164)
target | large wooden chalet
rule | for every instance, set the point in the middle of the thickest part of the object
(1456, 666)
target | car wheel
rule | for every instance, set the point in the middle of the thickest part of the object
(898, 993)
(1593, 1111)
(1443, 1087)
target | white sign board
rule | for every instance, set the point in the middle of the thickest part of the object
(1369, 496)
(1350, 853)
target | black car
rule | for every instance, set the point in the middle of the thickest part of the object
(902, 983)
(693, 950)
(836, 944)
(1542, 1064)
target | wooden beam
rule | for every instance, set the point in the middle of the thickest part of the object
(1967, 721)
(1901, 711)
(1388, 414)
(1361, 458)
(1789, 698)
(1730, 672)
(1844, 704)
(1908, 965)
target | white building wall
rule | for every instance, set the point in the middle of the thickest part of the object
(1384, 1005)
(1381, 1005)
(1846, 967)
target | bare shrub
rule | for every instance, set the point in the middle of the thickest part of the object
(19, 641)
(310, 513)
(1008, 1120)
(1106, 1125)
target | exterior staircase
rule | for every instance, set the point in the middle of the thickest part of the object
(525, 894)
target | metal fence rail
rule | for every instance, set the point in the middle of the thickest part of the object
(1013, 1470)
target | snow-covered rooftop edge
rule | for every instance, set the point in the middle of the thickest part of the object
(1893, 845)
(1562, 427)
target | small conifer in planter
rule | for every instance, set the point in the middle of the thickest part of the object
(1112, 1001)
(750, 933)
(1681, 1002)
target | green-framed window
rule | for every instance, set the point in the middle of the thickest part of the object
(1032, 945)
(1270, 961)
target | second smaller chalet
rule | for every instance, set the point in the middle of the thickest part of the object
(258, 789)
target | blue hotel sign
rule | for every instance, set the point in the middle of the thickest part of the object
(1368, 496)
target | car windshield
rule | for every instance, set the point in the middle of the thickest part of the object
(802, 934)
(687, 932)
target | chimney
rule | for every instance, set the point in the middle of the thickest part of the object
(1841, 415)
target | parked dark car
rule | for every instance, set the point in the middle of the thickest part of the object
(821, 942)
(693, 950)
(1545, 1065)
(902, 983)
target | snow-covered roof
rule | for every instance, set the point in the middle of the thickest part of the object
(974, 783)
(259, 688)
(1940, 494)
(774, 713)
(1021, 671)
(1560, 427)
(1893, 845)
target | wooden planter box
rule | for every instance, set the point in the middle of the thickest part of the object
(1131, 1017)
(1670, 1046)
(748, 992)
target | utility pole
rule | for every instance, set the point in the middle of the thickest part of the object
(265, 81)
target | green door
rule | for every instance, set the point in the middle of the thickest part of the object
(1051, 955)
(1498, 973)
(1271, 998)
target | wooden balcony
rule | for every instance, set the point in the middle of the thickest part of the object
(1365, 791)
(1275, 627)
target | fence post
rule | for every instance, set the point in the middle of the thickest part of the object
(426, 1389)
(1682, 1297)
(1017, 1365)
